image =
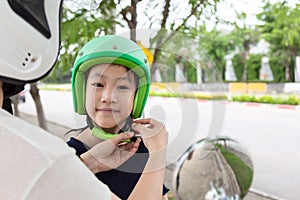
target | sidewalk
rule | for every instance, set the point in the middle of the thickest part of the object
(59, 130)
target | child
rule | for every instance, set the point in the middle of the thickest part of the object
(110, 85)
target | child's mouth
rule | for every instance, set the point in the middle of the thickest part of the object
(107, 110)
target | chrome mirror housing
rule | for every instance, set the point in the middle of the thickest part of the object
(213, 169)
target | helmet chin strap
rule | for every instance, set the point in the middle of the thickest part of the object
(100, 133)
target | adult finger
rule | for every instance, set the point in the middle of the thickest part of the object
(143, 121)
(127, 146)
(152, 123)
(154, 127)
(120, 137)
(142, 129)
(106, 147)
(131, 146)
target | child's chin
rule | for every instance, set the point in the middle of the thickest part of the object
(107, 125)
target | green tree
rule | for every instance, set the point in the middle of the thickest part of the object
(178, 23)
(243, 37)
(238, 65)
(217, 45)
(254, 65)
(281, 28)
(79, 26)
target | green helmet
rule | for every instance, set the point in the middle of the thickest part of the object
(111, 49)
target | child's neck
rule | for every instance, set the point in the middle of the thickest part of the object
(113, 130)
(87, 138)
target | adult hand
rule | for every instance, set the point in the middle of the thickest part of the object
(111, 153)
(153, 132)
(155, 138)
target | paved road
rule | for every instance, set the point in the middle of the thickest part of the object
(270, 134)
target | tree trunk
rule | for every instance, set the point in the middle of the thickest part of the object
(292, 72)
(245, 68)
(161, 40)
(15, 101)
(287, 72)
(133, 21)
(34, 91)
(245, 73)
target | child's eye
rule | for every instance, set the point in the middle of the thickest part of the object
(97, 85)
(123, 87)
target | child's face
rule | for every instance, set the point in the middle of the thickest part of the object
(110, 92)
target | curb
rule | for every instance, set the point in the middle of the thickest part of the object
(264, 194)
(278, 106)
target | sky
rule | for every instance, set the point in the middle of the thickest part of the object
(225, 10)
(251, 8)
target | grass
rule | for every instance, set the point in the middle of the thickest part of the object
(192, 95)
(243, 172)
(286, 99)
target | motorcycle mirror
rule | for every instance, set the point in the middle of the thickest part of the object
(213, 169)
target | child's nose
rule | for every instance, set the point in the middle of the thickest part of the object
(108, 95)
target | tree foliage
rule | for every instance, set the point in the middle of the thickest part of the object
(178, 24)
(217, 45)
(281, 28)
(79, 26)
(244, 37)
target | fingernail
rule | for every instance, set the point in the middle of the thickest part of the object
(130, 134)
